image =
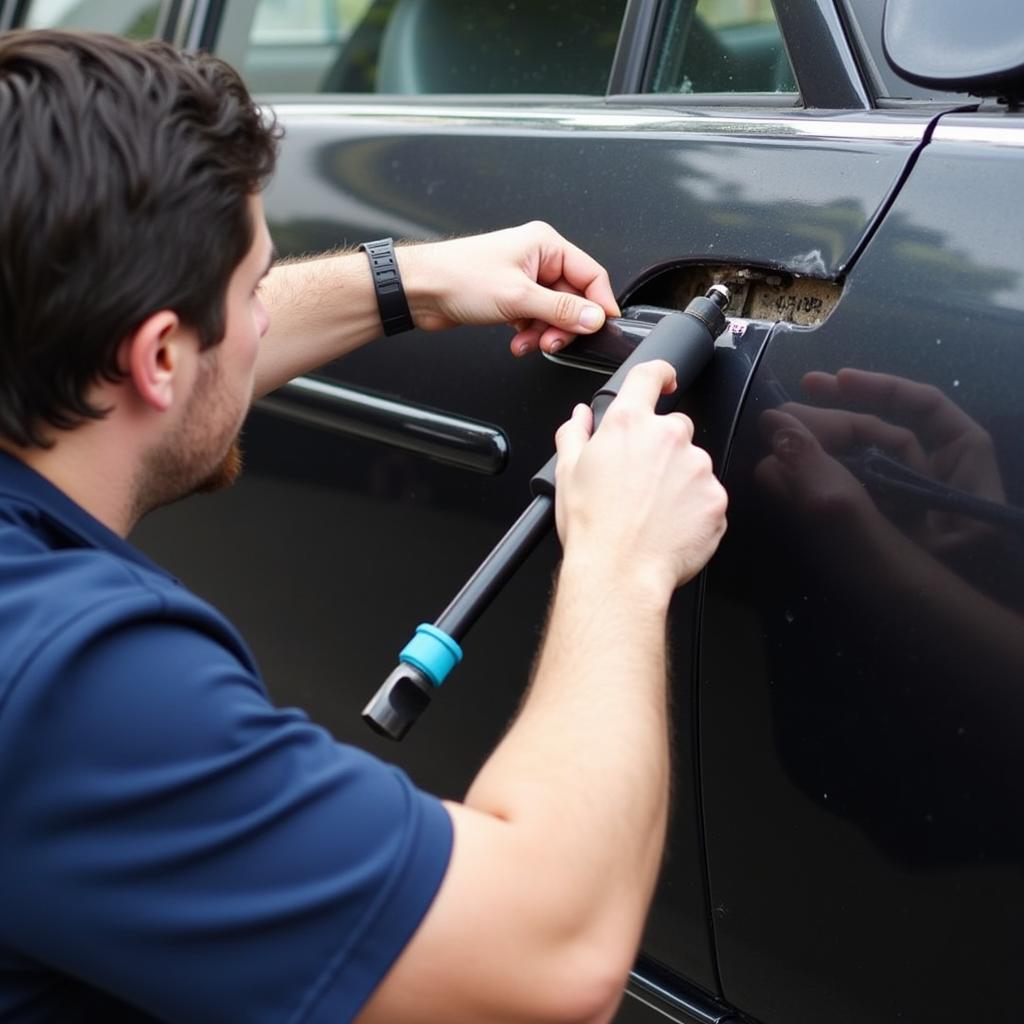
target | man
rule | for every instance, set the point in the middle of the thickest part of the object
(175, 847)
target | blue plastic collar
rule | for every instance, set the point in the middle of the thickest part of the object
(433, 652)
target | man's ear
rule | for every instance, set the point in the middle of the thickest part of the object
(157, 358)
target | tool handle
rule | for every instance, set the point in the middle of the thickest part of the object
(684, 340)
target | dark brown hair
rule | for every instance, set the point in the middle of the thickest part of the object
(125, 174)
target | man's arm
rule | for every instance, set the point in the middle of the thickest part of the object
(528, 276)
(559, 840)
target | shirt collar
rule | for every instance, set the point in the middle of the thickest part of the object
(21, 482)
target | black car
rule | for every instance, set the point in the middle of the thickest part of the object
(847, 841)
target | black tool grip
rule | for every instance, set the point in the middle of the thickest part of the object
(684, 340)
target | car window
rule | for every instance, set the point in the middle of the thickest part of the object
(423, 47)
(721, 46)
(135, 19)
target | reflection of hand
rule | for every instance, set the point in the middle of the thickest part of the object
(865, 551)
(803, 477)
(638, 500)
(527, 276)
(916, 424)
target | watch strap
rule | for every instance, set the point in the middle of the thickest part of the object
(387, 283)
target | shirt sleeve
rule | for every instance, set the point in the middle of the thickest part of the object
(172, 838)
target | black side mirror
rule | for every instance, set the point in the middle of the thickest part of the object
(975, 47)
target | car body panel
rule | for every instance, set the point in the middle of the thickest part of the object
(860, 756)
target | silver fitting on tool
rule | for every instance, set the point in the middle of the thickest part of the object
(719, 295)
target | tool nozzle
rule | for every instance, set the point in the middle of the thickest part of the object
(401, 699)
(719, 295)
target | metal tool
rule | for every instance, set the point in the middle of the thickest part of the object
(686, 340)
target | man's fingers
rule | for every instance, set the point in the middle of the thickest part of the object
(527, 337)
(561, 309)
(554, 338)
(584, 274)
(644, 385)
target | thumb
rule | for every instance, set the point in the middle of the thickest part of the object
(562, 309)
(572, 436)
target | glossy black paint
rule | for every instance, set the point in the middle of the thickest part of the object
(861, 657)
(786, 189)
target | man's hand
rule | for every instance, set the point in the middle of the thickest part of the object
(638, 496)
(530, 277)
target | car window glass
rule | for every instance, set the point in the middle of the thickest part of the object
(424, 47)
(722, 46)
(135, 19)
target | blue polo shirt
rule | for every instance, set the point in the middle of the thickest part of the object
(173, 846)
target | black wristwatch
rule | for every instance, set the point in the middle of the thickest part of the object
(387, 283)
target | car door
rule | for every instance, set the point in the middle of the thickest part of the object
(861, 643)
(679, 143)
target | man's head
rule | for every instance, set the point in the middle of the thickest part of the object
(129, 174)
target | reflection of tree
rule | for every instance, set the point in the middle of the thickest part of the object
(926, 256)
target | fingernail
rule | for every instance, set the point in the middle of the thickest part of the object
(556, 345)
(523, 348)
(591, 317)
(789, 445)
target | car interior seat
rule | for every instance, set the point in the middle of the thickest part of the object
(533, 46)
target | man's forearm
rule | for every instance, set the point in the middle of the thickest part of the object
(320, 309)
(585, 768)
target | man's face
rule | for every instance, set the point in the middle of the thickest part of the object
(202, 452)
